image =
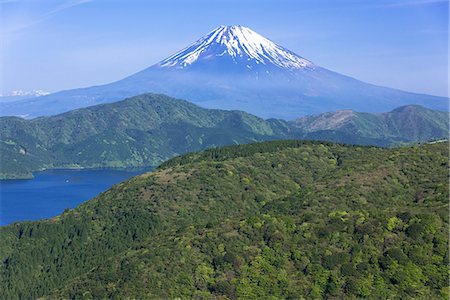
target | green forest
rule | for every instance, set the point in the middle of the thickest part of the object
(272, 220)
(148, 129)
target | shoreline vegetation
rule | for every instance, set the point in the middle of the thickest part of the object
(32, 175)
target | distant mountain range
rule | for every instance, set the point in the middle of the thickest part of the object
(148, 129)
(411, 123)
(233, 67)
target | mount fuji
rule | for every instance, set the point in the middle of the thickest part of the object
(234, 67)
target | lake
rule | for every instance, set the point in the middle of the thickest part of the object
(52, 191)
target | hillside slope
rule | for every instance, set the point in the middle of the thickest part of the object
(405, 124)
(285, 219)
(140, 131)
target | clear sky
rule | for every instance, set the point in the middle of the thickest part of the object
(56, 45)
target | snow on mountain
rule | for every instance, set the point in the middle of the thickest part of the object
(19, 95)
(22, 93)
(241, 44)
(232, 68)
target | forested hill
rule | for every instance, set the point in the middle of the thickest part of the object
(140, 131)
(411, 123)
(285, 219)
(148, 129)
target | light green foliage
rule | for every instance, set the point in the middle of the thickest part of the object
(394, 223)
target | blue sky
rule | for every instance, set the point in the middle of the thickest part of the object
(56, 45)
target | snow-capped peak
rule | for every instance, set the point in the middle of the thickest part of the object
(22, 93)
(240, 43)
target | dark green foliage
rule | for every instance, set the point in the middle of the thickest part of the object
(230, 152)
(285, 219)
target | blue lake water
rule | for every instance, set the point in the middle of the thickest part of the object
(52, 191)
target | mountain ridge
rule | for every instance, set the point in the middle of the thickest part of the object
(406, 119)
(148, 129)
(140, 131)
